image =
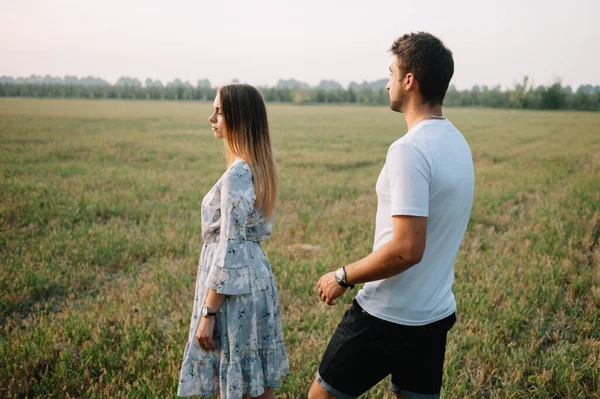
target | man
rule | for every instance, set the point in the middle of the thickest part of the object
(399, 321)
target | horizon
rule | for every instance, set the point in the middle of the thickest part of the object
(194, 83)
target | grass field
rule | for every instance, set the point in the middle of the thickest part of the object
(100, 238)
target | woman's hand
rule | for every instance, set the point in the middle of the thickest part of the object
(204, 333)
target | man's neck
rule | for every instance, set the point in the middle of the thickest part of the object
(415, 113)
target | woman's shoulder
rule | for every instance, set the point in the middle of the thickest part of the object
(238, 169)
(238, 176)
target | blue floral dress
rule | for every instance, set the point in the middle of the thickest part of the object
(250, 354)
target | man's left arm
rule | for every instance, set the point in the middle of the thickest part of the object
(409, 175)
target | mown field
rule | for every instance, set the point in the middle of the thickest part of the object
(100, 238)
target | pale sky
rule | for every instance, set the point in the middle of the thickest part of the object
(261, 41)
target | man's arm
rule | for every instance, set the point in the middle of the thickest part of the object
(403, 251)
(409, 175)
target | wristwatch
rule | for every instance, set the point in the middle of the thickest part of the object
(206, 312)
(340, 278)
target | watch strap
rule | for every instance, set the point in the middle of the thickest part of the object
(208, 312)
(343, 282)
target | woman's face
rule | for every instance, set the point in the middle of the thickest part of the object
(216, 118)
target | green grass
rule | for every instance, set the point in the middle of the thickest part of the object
(100, 238)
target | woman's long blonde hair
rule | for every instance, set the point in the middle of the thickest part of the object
(247, 137)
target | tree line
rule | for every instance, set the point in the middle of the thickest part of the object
(522, 95)
(525, 96)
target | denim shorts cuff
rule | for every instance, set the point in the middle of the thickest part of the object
(332, 390)
(412, 395)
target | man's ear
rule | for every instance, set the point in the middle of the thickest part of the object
(410, 81)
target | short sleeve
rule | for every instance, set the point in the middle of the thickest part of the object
(229, 275)
(409, 178)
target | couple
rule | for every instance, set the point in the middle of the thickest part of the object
(398, 322)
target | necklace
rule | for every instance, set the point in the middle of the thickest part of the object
(440, 117)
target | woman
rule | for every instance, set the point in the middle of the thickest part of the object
(235, 347)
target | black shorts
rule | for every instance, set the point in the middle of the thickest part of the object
(365, 349)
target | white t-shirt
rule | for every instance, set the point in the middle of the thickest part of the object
(428, 172)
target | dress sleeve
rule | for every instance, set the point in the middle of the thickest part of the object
(229, 274)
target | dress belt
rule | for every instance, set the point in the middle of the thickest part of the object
(251, 239)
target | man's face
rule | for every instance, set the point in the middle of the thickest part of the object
(395, 87)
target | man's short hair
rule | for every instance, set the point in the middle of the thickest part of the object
(426, 57)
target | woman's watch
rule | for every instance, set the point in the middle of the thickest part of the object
(340, 278)
(206, 312)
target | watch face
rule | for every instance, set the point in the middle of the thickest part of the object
(204, 311)
(338, 275)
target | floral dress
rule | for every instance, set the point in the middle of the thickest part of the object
(250, 354)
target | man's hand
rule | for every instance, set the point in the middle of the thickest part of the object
(329, 289)
(204, 333)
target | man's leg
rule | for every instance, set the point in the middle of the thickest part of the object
(419, 374)
(353, 361)
(318, 392)
(412, 395)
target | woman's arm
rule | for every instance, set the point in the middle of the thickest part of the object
(206, 328)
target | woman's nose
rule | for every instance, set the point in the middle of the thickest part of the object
(211, 118)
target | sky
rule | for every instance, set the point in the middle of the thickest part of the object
(260, 41)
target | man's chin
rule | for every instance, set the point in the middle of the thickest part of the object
(396, 108)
